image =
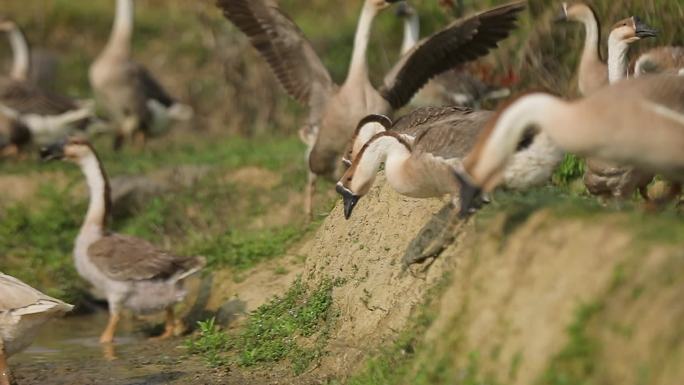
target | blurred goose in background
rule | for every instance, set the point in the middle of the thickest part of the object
(335, 110)
(661, 60)
(132, 272)
(135, 101)
(637, 122)
(46, 114)
(604, 178)
(456, 86)
(422, 150)
(593, 69)
(23, 310)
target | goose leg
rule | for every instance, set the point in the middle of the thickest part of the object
(309, 195)
(4, 370)
(108, 334)
(169, 326)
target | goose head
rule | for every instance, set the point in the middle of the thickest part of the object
(365, 130)
(405, 10)
(72, 149)
(630, 30)
(355, 183)
(575, 11)
(7, 25)
(379, 5)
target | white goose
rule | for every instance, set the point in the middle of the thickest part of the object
(23, 311)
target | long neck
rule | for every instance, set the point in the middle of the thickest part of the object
(122, 31)
(411, 33)
(364, 135)
(618, 62)
(592, 38)
(359, 66)
(20, 49)
(539, 110)
(98, 186)
(382, 148)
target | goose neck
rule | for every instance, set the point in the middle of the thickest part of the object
(411, 33)
(20, 49)
(382, 148)
(536, 110)
(618, 62)
(359, 66)
(592, 38)
(122, 30)
(100, 199)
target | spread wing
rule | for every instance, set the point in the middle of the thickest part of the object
(26, 98)
(462, 41)
(454, 137)
(125, 258)
(283, 45)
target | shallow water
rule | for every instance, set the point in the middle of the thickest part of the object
(67, 352)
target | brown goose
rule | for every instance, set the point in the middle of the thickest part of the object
(132, 272)
(23, 311)
(660, 60)
(424, 167)
(334, 110)
(606, 179)
(636, 122)
(135, 100)
(46, 114)
(593, 70)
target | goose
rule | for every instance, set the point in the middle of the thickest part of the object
(335, 109)
(636, 122)
(423, 166)
(606, 179)
(23, 311)
(46, 114)
(136, 102)
(659, 60)
(132, 272)
(456, 86)
(593, 69)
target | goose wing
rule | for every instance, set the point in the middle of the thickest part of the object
(20, 298)
(283, 45)
(153, 90)
(462, 41)
(419, 119)
(26, 98)
(452, 137)
(126, 258)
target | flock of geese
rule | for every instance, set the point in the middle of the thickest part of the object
(628, 124)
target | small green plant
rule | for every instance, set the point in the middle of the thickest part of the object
(570, 169)
(211, 343)
(274, 330)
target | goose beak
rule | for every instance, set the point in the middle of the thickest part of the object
(52, 152)
(562, 14)
(404, 10)
(469, 195)
(350, 200)
(643, 30)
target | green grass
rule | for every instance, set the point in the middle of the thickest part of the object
(209, 343)
(293, 327)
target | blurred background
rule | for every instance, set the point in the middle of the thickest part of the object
(228, 184)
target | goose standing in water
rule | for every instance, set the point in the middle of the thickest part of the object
(335, 110)
(23, 310)
(137, 103)
(132, 272)
(637, 122)
(47, 115)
